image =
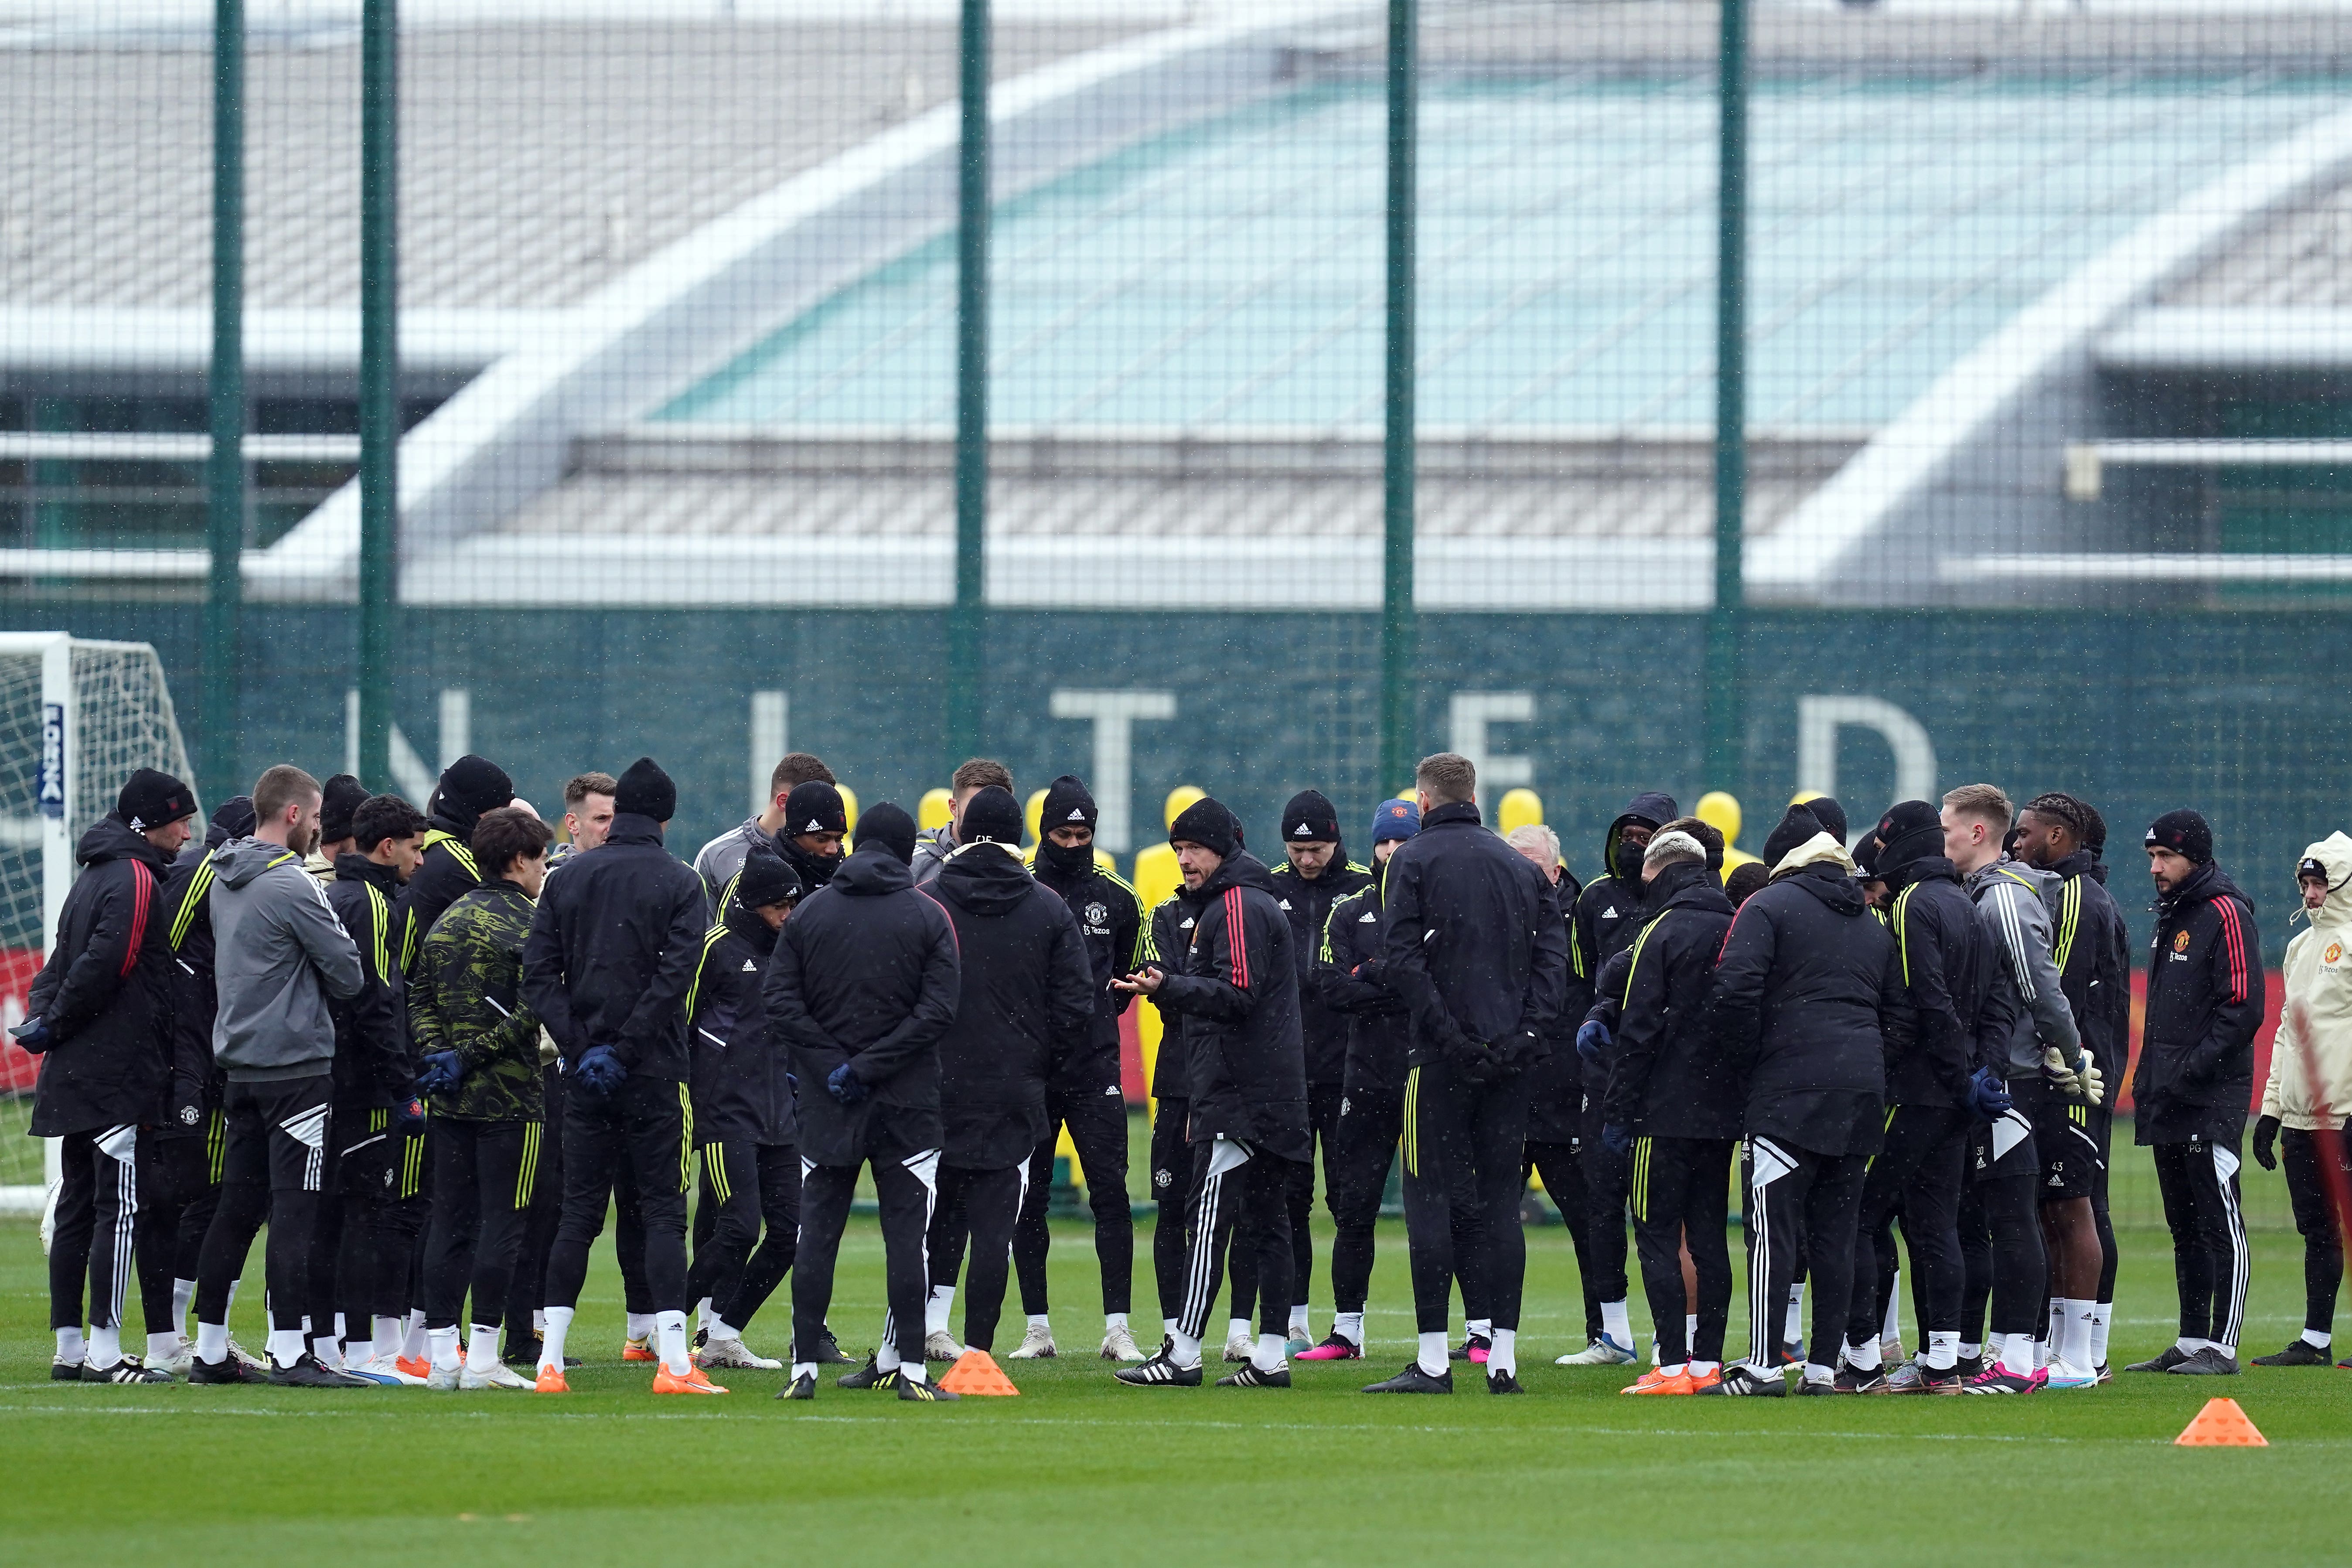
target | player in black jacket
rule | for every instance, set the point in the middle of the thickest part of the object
(743, 1115)
(1234, 991)
(1806, 990)
(1476, 948)
(1673, 1108)
(862, 985)
(1947, 967)
(1166, 931)
(1084, 1095)
(97, 1015)
(1026, 1005)
(613, 949)
(2195, 1079)
(368, 1227)
(468, 787)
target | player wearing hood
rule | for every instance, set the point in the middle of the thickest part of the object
(468, 787)
(2194, 1077)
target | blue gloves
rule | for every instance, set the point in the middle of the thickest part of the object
(408, 1116)
(843, 1084)
(442, 1072)
(34, 1035)
(600, 1070)
(1592, 1040)
(1616, 1140)
(1988, 1095)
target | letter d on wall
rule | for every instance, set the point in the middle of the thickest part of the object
(1819, 718)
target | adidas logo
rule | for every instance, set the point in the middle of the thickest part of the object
(1186, 926)
(1367, 918)
(749, 967)
(813, 827)
(1300, 831)
(1610, 913)
(1075, 816)
(1286, 903)
(1110, 1088)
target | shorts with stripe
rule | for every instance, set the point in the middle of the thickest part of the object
(376, 1161)
(2071, 1141)
(278, 1133)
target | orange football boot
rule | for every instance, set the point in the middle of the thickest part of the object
(1657, 1379)
(694, 1381)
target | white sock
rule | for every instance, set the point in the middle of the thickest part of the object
(412, 1342)
(212, 1342)
(286, 1346)
(183, 1291)
(721, 1329)
(445, 1347)
(327, 1348)
(1892, 1329)
(550, 1339)
(162, 1346)
(1863, 1357)
(1298, 1330)
(1235, 1329)
(1690, 1329)
(1349, 1326)
(1793, 1332)
(105, 1347)
(1485, 1328)
(1432, 1355)
(387, 1336)
(1185, 1350)
(1943, 1349)
(2017, 1354)
(2227, 1350)
(2317, 1339)
(538, 1321)
(339, 1325)
(1504, 1355)
(802, 1369)
(2100, 1312)
(1271, 1349)
(2189, 1346)
(641, 1325)
(72, 1349)
(1168, 1327)
(2073, 1344)
(233, 1286)
(1113, 1322)
(935, 1307)
(1702, 1368)
(1618, 1324)
(1043, 1320)
(482, 1348)
(1967, 1350)
(669, 1328)
(357, 1353)
(702, 1313)
(914, 1371)
(2043, 1350)
(1675, 1370)
(886, 1356)
(1816, 1373)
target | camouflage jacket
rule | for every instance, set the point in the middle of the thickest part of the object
(466, 997)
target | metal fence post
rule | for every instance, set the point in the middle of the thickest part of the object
(1399, 695)
(378, 582)
(225, 390)
(1726, 697)
(966, 620)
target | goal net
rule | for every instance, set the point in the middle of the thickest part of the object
(76, 717)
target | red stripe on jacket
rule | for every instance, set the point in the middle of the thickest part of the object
(2233, 939)
(142, 893)
(1236, 945)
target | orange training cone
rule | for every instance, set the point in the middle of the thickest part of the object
(976, 1372)
(2221, 1425)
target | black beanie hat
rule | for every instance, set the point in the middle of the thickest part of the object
(153, 799)
(472, 786)
(2183, 832)
(889, 826)
(1309, 819)
(235, 819)
(1911, 830)
(814, 807)
(991, 813)
(1830, 815)
(646, 791)
(1798, 826)
(339, 800)
(765, 879)
(1206, 823)
(1067, 800)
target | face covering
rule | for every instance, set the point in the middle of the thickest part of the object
(1628, 863)
(1067, 862)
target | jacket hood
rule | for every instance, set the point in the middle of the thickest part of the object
(2041, 880)
(629, 828)
(872, 872)
(1924, 869)
(2205, 884)
(985, 879)
(354, 867)
(2335, 852)
(111, 839)
(746, 924)
(1821, 849)
(1686, 885)
(1825, 880)
(1241, 869)
(240, 860)
(816, 870)
(1653, 808)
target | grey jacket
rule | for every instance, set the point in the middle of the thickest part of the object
(724, 856)
(2014, 904)
(279, 952)
(931, 852)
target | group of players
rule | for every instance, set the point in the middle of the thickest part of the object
(433, 1050)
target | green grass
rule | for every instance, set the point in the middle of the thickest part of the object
(1081, 1470)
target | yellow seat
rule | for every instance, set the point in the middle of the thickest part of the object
(1720, 811)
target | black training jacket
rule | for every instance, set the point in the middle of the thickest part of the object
(443, 877)
(1608, 914)
(1165, 935)
(1308, 906)
(1957, 1013)
(2093, 950)
(612, 948)
(1111, 924)
(1025, 1006)
(1667, 1076)
(1475, 944)
(1804, 991)
(1557, 1085)
(375, 1066)
(197, 1080)
(105, 991)
(866, 971)
(1348, 975)
(1236, 989)
(742, 1082)
(2205, 984)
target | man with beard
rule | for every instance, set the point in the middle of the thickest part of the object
(723, 856)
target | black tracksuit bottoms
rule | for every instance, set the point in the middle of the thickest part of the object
(744, 1186)
(1801, 1215)
(484, 1173)
(273, 1168)
(644, 1128)
(1172, 1189)
(2199, 1181)
(1681, 1187)
(1561, 1166)
(380, 1181)
(984, 1208)
(2304, 1158)
(905, 1187)
(175, 1208)
(1608, 1180)
(1356, 1158)
(97, 1227)
(1096, 1114)
(1322, 1126)
(527, 1292)
(1915, 1173)
(1466, 1140)
(1236, 1186)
